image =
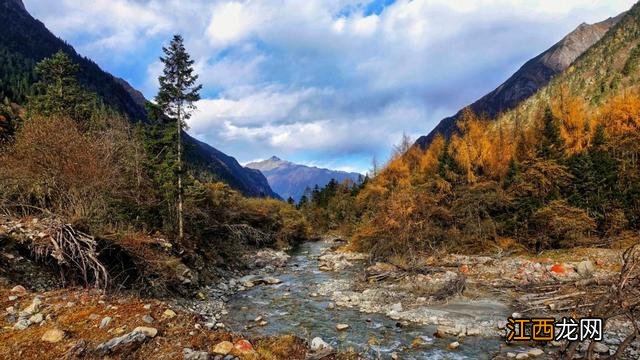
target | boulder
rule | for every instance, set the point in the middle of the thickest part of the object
(53, 336)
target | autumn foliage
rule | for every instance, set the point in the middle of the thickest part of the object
(566, 176)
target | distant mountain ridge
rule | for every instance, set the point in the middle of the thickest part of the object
(533, 75)
(291, 180)
(24, 41)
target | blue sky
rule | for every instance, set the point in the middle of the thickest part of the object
(329, 83)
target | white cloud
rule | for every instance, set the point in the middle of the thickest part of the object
(321, 80)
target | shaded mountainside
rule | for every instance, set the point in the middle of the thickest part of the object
(24, 41)
(291, 180)
(533, 75)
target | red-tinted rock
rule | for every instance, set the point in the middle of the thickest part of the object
(244, 346)
(558, 269)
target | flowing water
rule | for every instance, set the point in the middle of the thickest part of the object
(290, 308)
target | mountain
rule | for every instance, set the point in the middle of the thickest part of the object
(608, 68)
(291, 180)
(533, 75)
(24, 41)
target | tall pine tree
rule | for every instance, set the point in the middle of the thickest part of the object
(176, 98)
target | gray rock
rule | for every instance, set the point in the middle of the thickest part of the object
(585, 268)
(36, 318)
(105, 322)
(397, 307)
(190, 354)
(148, 319)
(535, 352)
(318, 344)
(22, 324)
(124, 343)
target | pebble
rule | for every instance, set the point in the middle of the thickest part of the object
(262, 323)
(522, 356)
(454, 345)
(13, 298)
(36, 318)
(148, 331)
(535, 352)
(258, 319)
(147, 306)
(105, 322)
(22, 324)
(169, 314)
(511, 355)
(244, 346)
(341, 327)
(331, 306)
(190, 354)
(18, 289)
(148, 319)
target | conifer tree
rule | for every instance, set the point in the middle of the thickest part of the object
(59, 92)
(176, 98)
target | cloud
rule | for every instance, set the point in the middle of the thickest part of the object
(322, 81)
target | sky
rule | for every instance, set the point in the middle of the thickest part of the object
(329, 83)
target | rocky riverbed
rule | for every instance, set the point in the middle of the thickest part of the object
(455, 307)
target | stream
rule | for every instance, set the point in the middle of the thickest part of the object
(293, 307)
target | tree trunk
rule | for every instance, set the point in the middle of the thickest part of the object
(180, 208)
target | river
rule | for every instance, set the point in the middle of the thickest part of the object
(294, 307)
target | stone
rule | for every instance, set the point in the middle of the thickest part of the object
(535, 352)
(22, 324)
(147, 306)
(244, 346)
(331, 306)
(36, 318)
(342, 327)
(263, 323)
(169, 314)
(190, 354)
(522, 356)
(511, 355)
(53, 336)
(105, 322)
(271, 280)
(223, 348)
(394, 356)
(13, 298)
(185, 275)
(600, 348)
(147, 331)
(397, 307)
(585, 268)
(125, 343)
(558, 269)
(318, 344)
(33, 308)
(148, 319)
(453, 346)
(19, 289)
(258, 319)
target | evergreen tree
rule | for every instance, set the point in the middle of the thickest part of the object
(551, 144)
(58, 92)
(176, 98)
(290, 201)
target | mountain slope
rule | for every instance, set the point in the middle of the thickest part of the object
(609, 67)
(533, 75)
(24, 41)
(291, 180)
